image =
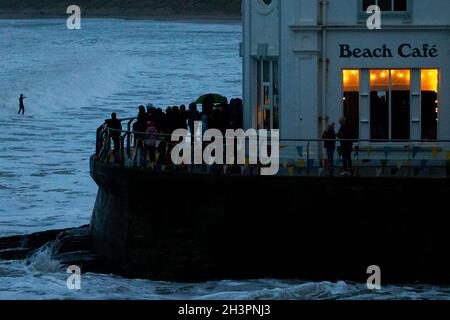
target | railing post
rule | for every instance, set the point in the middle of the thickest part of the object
(121, 151)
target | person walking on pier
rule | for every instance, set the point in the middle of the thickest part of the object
(21, 104)
(329, 137)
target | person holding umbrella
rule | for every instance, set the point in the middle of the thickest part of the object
(211, 98)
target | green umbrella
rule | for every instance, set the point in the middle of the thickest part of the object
(217, 98)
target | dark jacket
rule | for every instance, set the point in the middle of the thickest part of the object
(114, 124)
(329, 135)
(346, 133)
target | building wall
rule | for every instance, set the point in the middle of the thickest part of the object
(311, 66)
(299, 70)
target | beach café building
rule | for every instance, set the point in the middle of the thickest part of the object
(308, 63)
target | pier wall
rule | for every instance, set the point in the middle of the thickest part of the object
(181, 227)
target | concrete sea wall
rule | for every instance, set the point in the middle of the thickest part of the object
(177, 226)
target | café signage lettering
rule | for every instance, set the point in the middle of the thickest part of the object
(405, 50)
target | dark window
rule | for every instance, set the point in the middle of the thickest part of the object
(400, 108)
(386, 5)
(368, 3)
(276, 103)
(390, 104)
(400, 5)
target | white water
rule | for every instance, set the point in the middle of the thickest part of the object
(73, 81)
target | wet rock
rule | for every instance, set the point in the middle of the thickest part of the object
(69, 246)
(88, 261)
(73, 240)
(64, 241)
(14, 254)
(32, 241)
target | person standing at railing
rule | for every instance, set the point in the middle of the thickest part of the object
(115, 133)
(329, 136)
(183, 117)
(346, 136)
(139, 128)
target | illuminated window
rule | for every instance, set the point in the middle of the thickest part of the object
(430, 103)
(400, 104)
(390, 104)
(351, 80)
(379, 104)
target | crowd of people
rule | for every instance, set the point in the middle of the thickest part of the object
(221, 116)
(154, 125)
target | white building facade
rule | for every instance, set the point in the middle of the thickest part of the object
(308, 63)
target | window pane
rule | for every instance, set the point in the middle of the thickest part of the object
(400, 5)
(266, 90)
(430, 110)
(276, 104)
(368, 3)
(351, 99)
(266, 119)
(385, 5)
(259, 94)
(400, 108)
(379, 104)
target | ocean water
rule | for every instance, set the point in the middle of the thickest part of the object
(73, 80)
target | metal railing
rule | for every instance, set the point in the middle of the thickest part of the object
(298, 157)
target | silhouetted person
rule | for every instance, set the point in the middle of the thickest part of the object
(21, 104)
(193, 116)
(151, 141)
(346, 135)
(183, 117)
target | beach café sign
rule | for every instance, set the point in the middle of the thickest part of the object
(405, 50)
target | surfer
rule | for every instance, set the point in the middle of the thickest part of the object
(21, 105)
